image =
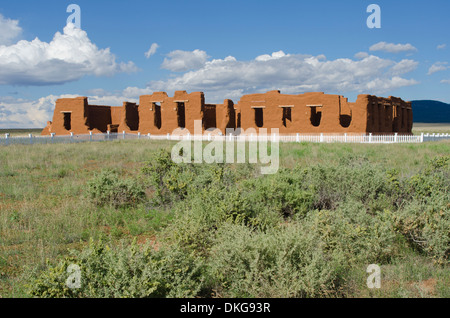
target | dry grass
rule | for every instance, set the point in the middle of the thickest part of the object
(431, 128)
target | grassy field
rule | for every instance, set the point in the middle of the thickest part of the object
(417, 129)
(361, 203)
(431, 128)
(20, 132)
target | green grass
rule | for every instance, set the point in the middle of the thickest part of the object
(18, 132)
(44, 210)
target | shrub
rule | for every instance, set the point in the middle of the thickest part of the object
(108, 188)
(424, 214)
(285, 262)
(125, 271)
(426, 225)
(170, 181)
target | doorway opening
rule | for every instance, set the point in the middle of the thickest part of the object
(316, 116)
(67, 121)
(157, 118)
(259, 117)
(181, 115)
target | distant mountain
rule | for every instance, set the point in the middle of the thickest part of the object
(430, 111)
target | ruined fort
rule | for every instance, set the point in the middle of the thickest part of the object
(160, 114)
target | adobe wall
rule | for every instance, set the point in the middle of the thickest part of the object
(389, 115)
(129, 118)
(220, 116)
(160, 114)
(78, 108)
(304, 113)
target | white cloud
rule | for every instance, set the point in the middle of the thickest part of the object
(438, 66)
(231, 78)
(292, 74)
(9, 30)
(392, 48)
(23, 113)
(181, 61)
(26, 113)
(361, 55)
(68, 57)
(151, 50)
(445, 81)
(404, 66)
(274, 56)
(441, 46)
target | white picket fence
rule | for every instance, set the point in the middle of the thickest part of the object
(315, 138)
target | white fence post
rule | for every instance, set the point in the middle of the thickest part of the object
(370, 137)
(395, 137)
(139, 135)
(107, 134)
(421, 137)
(149, 136)
(52, 136)
(345, 137)
(7, 139)
(297, 137)
(90, 136)
(321, 137)
(31, 138)
(168, 136)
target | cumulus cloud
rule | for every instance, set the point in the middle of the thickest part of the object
(274, 56)
(361, 55)
(28, 113)
(438, 66)
(292, 74)
(445, 81)
(232, 78)
(24, 113)
(69, 56)
(441, 46)
(392, 48)
(151, 50)
(404, 66)
(9, 30)
(181, 61)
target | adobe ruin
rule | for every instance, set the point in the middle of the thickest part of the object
(159, 114)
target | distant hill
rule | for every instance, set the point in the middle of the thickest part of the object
(430, 111)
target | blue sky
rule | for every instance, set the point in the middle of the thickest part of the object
(224, 48)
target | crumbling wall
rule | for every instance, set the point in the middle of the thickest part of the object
(99, 117)
(388, 115)
(304, 113)
(129, 120)
(160, 114)
(78, 108)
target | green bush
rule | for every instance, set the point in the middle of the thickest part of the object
(169, 181)
(108, 188)
(130, 271)
(424, 215)
(284, 262)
